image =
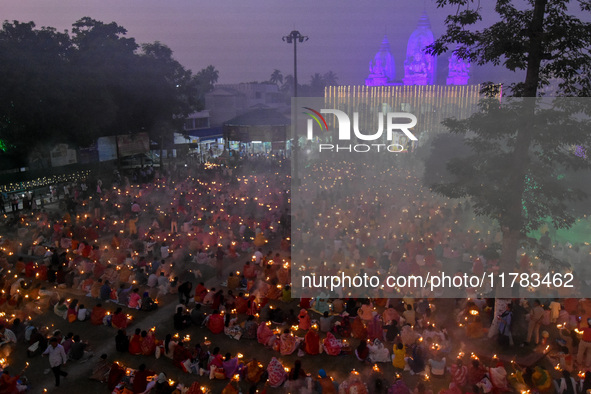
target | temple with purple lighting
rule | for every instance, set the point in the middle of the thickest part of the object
(420, 68)
(382, 71)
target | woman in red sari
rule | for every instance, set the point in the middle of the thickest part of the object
(135, 343)
(264, 335)
(358, 329)
(97, 315)
(180, 354)
(148, 345)
(312, 342)
(241, 304)
(304, 320)
(216, 322)
(200, 292)
(119, 319)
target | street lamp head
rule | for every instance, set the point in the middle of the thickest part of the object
(302, 38)
(287, 39)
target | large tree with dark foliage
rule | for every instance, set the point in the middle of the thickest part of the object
(512, 173)
(95, 81)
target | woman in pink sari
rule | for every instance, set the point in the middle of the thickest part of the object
(134, 299)
(264, 335)
(374, 328)
(287, 343)
(332, 347)
(277, 374)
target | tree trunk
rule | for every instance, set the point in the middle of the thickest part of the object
(514, 219)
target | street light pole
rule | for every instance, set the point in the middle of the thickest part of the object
(294, 37)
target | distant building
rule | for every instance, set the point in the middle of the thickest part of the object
(228, 101)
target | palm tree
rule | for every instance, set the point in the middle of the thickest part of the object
(276, 77)
(208, 77)
(317, 85)
(330, 79)
(287, 86)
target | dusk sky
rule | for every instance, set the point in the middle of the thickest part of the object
(242, 39)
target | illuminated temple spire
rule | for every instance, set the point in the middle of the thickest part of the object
(381, 68)
(419, 67)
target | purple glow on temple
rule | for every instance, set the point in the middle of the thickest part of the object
(419, 67)
(382, 70)
(459, 69)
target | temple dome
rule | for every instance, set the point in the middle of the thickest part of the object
(382, 69)
(419, 67)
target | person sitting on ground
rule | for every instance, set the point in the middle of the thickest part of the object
(148, 345)
(61, 308)
(169, 345)
(304, 320)
(250, 328)
(197, 316)
(147, 303)
(215, 322)
(180, 354)
(331, 345)
(101, 370)
(287, 343)
(362, 351)
(98, 314)
(10, 384)
(398, 356)
(123, 294)
(78, 350)
(140, 380)
(122, 342)
(181, 320)
(37, 343)
(326, 322)
(135, 343)
(83, 313)
(72, 314)
(232, 328)
(119, 319)
(134, 299)
(296, 380)
(162, 386)
(231, 365)
(254, 371)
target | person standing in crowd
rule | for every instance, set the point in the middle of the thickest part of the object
(57, 358)
(536, 315)
(585, 345)
(185, 292)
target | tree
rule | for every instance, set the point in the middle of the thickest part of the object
(317, 85)
(74, 88)
(330, 78)
(287, 86)
(276, 77)
(35, 89)
(206, 79)
(514, 161)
